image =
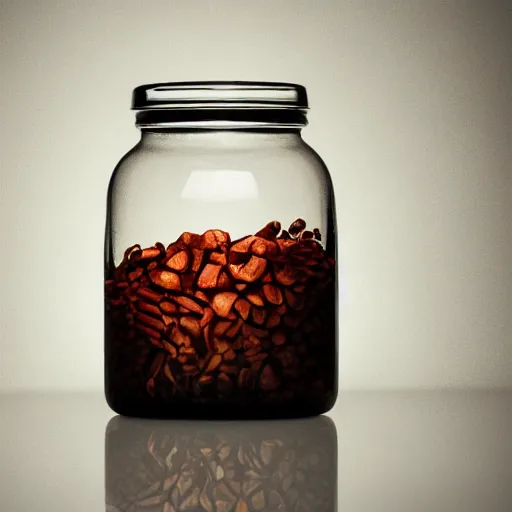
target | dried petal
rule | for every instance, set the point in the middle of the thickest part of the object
(168, 373)
(152, 266)
(166, 279)
(189, 369)
(189, 303)
(188, 280)
(117, 302)
(148, 308)
(219, 258)
(224, 382)
(221, 346)
(191, 325)
(130, 250)
(227, 368)
(224, 280)
(255, 299)
(214, 238)
(229, 355)
(214, 362)
(156, 343)
(146, 254)
(267, 278)
(293, 321)
(273, 321)
(243, 307)
(270, 231)
(273, 294)
(243, 378)
(258, 316)
(252, 351)
(135, 274)
(295, 301)
(249, 330)
(235, 327)
(209, 276)
(189, 351)
(168, 307)
(281, 310)
(296, 227)
(279, 338)
(147, 331)
(179, 338)
(171, 349)
(190, 239)
(250, 271)
(148, 294)
(262, 247)
(221, 327)
(179, 261)
(110, 284)
(207, 316)
(201, 296)
(243, 245)
(268, 379)
(285, 244)
(150, 321)
(251, 341)
(197, 259)
(150, 386)
(208, 337)
(223, 302)
(285, 275)
(157, 364)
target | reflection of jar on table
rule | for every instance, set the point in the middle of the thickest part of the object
(221, 466)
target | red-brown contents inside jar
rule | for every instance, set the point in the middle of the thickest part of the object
(210, 320)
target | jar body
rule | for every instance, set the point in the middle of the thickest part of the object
(220, 277)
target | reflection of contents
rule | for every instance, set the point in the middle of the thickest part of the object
(184, 466)
(210, 319)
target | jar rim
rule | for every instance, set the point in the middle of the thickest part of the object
(207, 95)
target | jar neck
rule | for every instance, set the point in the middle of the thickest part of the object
(233, 139)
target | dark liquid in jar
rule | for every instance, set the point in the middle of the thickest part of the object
(212, 327)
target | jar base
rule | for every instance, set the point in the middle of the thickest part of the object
(250, 411)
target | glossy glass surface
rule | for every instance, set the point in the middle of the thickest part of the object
(221, 285)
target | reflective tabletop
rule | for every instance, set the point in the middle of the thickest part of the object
(448, 451)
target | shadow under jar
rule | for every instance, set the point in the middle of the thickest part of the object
(220, 258)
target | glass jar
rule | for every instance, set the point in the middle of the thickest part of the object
(220, 258)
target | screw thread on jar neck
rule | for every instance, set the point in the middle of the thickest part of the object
(223, 119)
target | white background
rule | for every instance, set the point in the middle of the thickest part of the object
(410, 109)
